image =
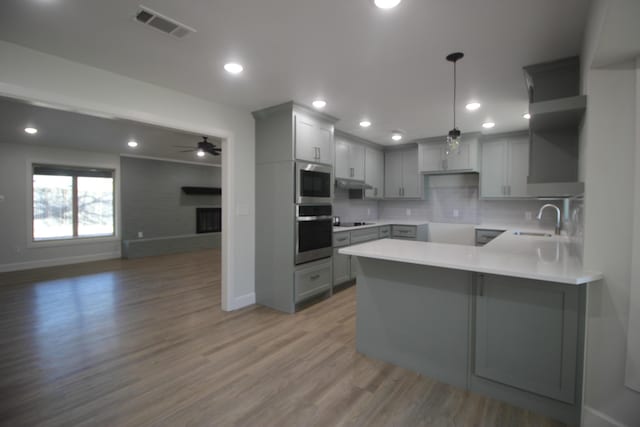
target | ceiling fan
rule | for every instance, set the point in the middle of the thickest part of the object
(202, 148)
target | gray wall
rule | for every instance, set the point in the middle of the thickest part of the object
(153, 201)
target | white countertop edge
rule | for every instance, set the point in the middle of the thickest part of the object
(587, 277)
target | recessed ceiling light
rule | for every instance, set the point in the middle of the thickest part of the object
(365, 123)
(526, 116)
(233, 68)
(31, 131)
(396, 136)
(387, 4)
(473, 106)
(200, 153)
(488, 125)
(319, 103)
(132, 144)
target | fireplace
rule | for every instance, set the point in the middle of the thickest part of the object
(208, 220)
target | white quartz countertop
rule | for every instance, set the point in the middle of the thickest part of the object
(531, 257)
(380, 223)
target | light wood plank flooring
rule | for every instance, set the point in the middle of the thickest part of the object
(144, 343)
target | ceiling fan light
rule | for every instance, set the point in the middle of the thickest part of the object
(200, 153)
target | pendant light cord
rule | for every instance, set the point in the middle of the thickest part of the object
(454, 93)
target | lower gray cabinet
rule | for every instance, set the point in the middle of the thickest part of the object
(527, 335)
(341, 267)
(312, 279)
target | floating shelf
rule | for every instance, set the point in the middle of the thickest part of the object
(200, 191)
(555, 114)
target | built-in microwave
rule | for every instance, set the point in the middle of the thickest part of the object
(313, 183)
(314, 232)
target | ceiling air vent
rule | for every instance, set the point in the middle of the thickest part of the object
(159, 22)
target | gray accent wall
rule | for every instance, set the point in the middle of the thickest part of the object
(153, 201)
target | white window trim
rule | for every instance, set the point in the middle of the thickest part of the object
(72, 241)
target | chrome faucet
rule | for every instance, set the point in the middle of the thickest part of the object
(558, 213)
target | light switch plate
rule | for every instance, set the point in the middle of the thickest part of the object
(528, 216)
(408, 212)
(456, 213)
(1, 198)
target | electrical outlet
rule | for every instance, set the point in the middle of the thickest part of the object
(368, 211)
(456, 213)
(528, 216)
(408, 212)
(1, 198)
(140, 234)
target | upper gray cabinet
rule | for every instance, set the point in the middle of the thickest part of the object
(313, 139)
(350, 160)
(374, 173)
(402, 178)
(505, 166)
(433, 159)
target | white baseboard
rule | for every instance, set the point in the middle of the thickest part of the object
(594, 418)
(243, 301)
(28, 265)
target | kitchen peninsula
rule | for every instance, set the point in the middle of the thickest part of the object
(504, 320)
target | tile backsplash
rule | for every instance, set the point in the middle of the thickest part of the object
(449, 199)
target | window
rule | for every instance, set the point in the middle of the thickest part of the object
(72, 202)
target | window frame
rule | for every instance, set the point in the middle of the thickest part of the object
(74, 171)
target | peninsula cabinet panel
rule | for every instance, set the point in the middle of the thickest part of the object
(526, 335)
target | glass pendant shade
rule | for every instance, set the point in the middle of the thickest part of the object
(453, 138)
(453, 142)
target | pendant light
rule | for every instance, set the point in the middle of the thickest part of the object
(453, 138)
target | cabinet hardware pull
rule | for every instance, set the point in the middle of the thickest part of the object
(480, 285)
(342, 240)
(314, 277)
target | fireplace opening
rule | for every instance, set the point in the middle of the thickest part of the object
(208, 220)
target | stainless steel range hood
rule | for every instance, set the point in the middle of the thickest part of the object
(352, 184)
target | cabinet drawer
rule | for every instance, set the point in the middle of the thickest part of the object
(485, 236)
(385, 232)
(341, 239)
(359, 236)
(407, 231)
(310, 281)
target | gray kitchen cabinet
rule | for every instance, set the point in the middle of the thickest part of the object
(350, 159)
(434, 160)
(374, 173)
(402, 179)
(505, 166)
(526, 335)
(341, 267)
(312, 279)
(364, 235)
(410, 232)
(385, 232)
(313, 139)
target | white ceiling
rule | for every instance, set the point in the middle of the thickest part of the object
(57, 128)
(387, 66)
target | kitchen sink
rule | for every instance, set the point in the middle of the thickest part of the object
(530, 233)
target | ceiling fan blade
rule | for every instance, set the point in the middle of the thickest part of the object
(186, 151)
(183, 146)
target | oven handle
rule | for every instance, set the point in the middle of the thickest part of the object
(314, 218)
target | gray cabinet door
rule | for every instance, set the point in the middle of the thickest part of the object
(526, 335)
(341, 268)
(411, 176)
(342, 167)
(313, 140)
(393, 174)
(356, 160)
(518, 167)
(431, 157)
(374, 173)
(493, 174)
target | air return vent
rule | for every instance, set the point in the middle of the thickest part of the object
(159, 22)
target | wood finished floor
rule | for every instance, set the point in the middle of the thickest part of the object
(144, 343)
